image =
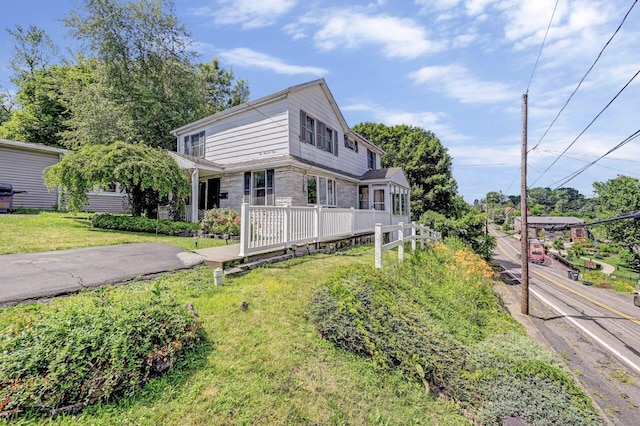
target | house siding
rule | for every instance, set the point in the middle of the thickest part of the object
(254, 134)
(314, 102)
(107, 203)
(22, 165)
(23, 169)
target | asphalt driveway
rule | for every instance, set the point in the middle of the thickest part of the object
(32, 276)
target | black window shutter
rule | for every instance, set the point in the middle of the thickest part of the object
(303, 123)
(335, 143)
(270, 180)
(320, 126)
(247, 183)
(346, 141)
(356, 142)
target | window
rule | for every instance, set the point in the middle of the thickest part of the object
(259, 187)
(307, 128)
(321, 191)
(350, 143)
(371, 159)
(400, 198)
(329, 137)
(363, 197)
(378, 199)
(315, 132)
(194, 145)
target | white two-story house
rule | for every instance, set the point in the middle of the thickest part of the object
(290, 148)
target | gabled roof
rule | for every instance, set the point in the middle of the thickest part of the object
(392, 174)
(274, 97)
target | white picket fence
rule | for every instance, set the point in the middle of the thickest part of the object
(417, 233)
(265, 228)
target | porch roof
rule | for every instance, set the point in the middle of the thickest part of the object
(188, 162)
(392, 174)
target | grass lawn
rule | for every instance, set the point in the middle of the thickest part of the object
(47, 231)
(266, 365)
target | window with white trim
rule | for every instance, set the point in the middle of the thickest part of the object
(259, 187)
(321, 191)
(400, 200)
(315, 132)
(378, 199)
(194, 144)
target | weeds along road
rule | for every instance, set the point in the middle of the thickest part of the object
(595, 331)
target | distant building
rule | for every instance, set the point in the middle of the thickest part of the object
(540, 225)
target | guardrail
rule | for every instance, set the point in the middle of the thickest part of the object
(418, 233)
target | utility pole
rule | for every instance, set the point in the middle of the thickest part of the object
(524, 230)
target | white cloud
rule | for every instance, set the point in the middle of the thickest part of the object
(353, 29)
(248, 13)
(458, 83)
(427, 120)
(250, 58)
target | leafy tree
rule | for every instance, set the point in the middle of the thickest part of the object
(40, 114)
(145, 72)
(425, 161)
(149, 176)
(616, 197)
(469, 227)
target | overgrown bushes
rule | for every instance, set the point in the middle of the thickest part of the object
(435, 318)
(141, 224)
(69, 355)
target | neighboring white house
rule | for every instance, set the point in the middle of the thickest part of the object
(22, 165)
(290, 148)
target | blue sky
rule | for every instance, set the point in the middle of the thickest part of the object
(458, 68)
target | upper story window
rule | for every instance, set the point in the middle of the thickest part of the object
(307, 128)
(371, 159)
(259, 187)
(194, 144)
(315, 132)
(350, 143)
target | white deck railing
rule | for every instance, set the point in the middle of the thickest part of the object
(417, 232)
(264, 228)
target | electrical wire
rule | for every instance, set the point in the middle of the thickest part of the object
(585, 75)
(569, 178)
(542, 45)
(589, 125)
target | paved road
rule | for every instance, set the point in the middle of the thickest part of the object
(40, 275)
(595, 331)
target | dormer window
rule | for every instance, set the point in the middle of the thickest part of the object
(194, 144)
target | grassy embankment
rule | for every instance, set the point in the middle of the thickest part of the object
(269, 364)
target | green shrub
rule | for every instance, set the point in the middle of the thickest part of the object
(221, 221)
(436, 319)
(512, 376)
(70, 355)
(141, 224)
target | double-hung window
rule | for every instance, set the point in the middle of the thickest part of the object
(259, 187)
(350, 143)
(371, 159)
(194, 144)
(315, 132)
(321, 191)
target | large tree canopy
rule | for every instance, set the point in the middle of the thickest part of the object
(617, 197)
(149, 176)
(425, 161)
(135, 81)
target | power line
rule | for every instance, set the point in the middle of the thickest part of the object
(589, 125)
(564, 181)
(585, 75)
(542, 45)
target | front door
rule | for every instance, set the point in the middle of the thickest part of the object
(213, 193)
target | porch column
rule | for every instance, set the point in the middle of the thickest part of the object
(195, 181)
